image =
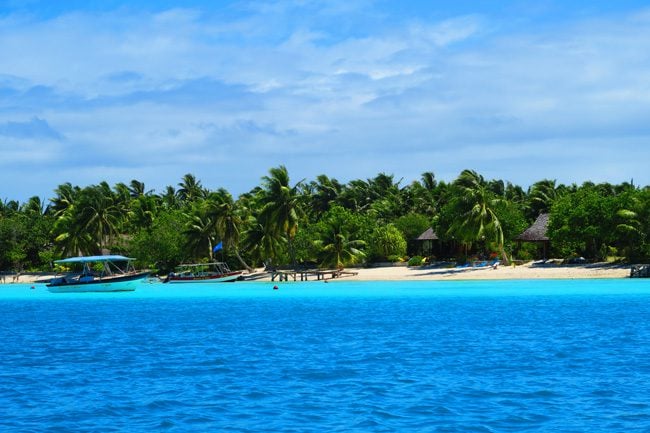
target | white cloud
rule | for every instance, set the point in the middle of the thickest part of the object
(138, 90)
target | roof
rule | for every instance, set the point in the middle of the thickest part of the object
(536, 232)
(428, 235)
(86, 259)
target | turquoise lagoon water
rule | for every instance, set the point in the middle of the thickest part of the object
(486, 356)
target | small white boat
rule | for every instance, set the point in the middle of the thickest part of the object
(114, 274)
(215, 272)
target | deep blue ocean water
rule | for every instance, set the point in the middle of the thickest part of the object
(487, 356)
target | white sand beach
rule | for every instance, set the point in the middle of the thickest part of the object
(525, 271)
(395, 273)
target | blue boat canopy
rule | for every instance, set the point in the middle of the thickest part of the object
(86, 259)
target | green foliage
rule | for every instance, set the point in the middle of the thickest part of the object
(23, 236)
(322, 221)
(282, 209)
(412, 225)
(387, 241)
(161, 246)
(472, 213)
(416, 261)
(306, 244)
(337, 238)
(581, 222)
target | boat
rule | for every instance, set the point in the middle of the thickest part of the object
(114, 273)
(215, 272)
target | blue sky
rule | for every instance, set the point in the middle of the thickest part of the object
(225, 90)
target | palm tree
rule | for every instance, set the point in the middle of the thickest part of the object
(325, 191)
(170, 198)
(629, 230)
(190, 189)
(281, 209)
(421, 195)
(65, 197)
(541, 196)
(228, 220)
(143, 211)
(90, 221)
(336, 248)
(101, 213)
(34, 206)
(70, 237)
(355, 195)
(137, 189)
(479, 217)
(261, 244)
(200, 230)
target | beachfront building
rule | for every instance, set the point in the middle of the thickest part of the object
(537, 234)
(426, 242)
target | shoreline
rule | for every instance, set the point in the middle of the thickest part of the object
(527, 271)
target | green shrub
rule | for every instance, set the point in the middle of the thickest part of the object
(387, 241)
(416, 261)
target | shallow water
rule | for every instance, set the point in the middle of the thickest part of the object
(344, 356)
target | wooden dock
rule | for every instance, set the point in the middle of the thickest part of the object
(304, 275)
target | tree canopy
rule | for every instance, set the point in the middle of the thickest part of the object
(322, 222)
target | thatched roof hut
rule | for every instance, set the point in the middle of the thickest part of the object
(425, 241)
(428, 235)
(537, 233)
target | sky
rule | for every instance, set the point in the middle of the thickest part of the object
(517, 90)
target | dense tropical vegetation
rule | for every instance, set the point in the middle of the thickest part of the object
(323, 222)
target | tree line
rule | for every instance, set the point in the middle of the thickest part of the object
(323, 222)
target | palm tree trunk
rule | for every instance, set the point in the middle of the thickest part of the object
(248, 268)
(292, 253)
(504, 256)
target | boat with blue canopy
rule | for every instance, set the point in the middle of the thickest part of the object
(110, 273)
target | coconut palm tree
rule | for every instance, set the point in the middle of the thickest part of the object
(137, 189)
(325, 191)
(228, 221)
(190, 189)
(541, 196)
(261, 244)
(143, 211)
(34, 206)
(101, 213)
(336, 248)
(66, 195)
(281, 206)
(199, 232)
(479, 218)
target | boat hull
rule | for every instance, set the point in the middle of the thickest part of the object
(232, 276)
(124, 283)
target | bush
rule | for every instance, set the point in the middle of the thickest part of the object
(386, 242)
(416, 261)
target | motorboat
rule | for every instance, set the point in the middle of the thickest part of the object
(215, 272)
(110, 273)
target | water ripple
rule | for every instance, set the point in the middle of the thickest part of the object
(374, 364)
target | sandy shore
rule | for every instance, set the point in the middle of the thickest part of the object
(526, 271)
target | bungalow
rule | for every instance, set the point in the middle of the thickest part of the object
(537, 234)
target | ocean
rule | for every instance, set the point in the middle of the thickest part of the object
(452, 356)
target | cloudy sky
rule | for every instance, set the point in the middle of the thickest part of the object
(517, 90)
